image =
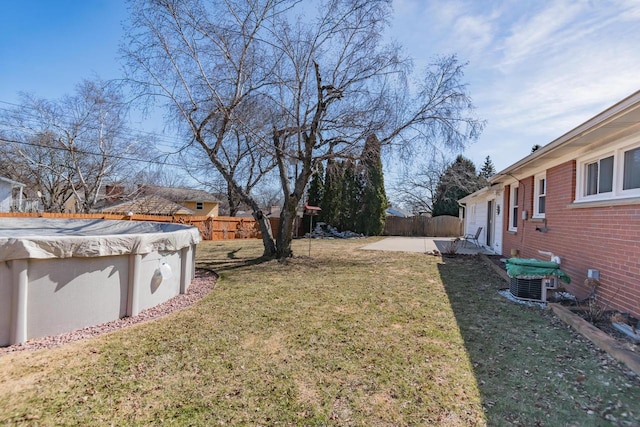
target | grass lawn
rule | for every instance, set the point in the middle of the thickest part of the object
(347, 337)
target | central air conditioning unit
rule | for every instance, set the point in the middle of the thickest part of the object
(529, 288)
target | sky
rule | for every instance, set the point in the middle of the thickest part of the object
(536, 69)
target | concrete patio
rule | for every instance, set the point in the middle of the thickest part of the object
(424, 245)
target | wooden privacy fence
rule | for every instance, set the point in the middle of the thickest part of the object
(230, 228)
(439, 226)
(211, 228)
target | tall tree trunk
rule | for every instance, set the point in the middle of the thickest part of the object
(285, 232)
(233, 200)
(267, 235)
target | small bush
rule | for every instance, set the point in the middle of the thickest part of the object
(594, 310)
(451, 248)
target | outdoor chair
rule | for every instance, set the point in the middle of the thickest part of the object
(473, 237)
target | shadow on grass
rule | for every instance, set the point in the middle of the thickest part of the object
(461, 247)
(230, 259)
(230, 265)
(223, 256)
(232, 254)
(530, 369)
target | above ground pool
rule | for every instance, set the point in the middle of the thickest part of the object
(59, 275)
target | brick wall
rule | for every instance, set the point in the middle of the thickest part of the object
(602, 238)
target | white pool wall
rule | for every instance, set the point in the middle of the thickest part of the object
(57, 276)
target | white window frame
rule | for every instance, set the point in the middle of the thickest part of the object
(618, 173)
(537, 194)
(598, 161)
(513, 207)
(632, 192)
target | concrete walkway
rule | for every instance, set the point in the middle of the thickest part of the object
(424, 245)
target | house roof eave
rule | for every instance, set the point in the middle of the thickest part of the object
(474, 195)
(598, 130)
(12, 182)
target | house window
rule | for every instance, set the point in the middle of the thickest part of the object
(199, 206)
(631, 175)
(612, 174)
(599, 176)
(540, 197)
(513, 210)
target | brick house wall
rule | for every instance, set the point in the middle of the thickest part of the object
(605, 238)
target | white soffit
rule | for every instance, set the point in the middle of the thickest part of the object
(616, 122)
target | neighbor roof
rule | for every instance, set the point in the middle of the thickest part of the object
(151, 204)
(12, 182)
(177, 194)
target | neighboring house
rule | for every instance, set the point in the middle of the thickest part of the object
(391, 211)
(10, 195)
(153, 200)
(578, 198)
(148, 205)
(199, 201)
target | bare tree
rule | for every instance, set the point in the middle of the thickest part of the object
(43, 168)
(67, 149)
(160, 175)
(249, 168)
(417, 187)
(298, 86)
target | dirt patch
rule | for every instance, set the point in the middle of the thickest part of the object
(604, 323)
(497, 260)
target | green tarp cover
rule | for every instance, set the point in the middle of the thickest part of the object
(517, 267)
